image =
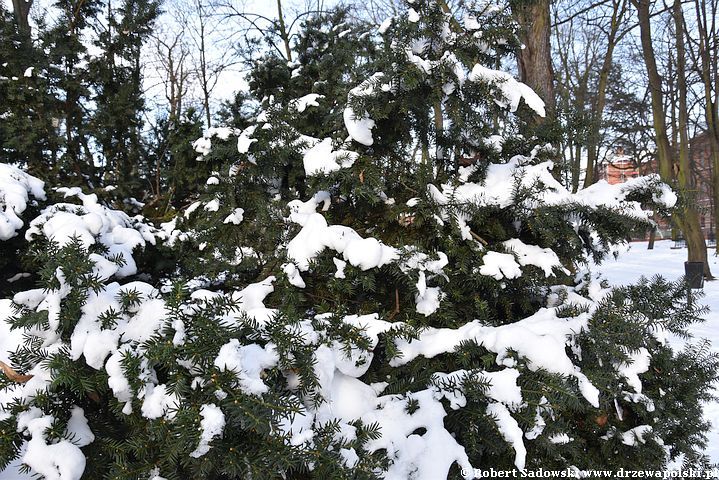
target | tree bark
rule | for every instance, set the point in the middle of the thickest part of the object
(535, 59)
(652, 237)
(571, 89)
(693, 232)
(283, 31)
(204, 80)
(438, 131)
(664, 157)
(21, 11)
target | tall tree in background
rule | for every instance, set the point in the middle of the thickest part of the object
(28, 133)
(534, 61)
(616, 30)
(209, 52)
(705, 54)
(116, 122)
(586, 39)
(171, 56)
(672, 171)
(70, 79)
(191, 59)
(627, 122)
(576, 56)
(379, 10)
(256, 34)
(21, 11)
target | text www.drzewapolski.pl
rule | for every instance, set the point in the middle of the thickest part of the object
(712, 473)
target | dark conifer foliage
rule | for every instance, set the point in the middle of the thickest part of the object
(369, 272)
(117, 122)
(28, 135)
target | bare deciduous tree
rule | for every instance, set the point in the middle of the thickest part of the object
(705, 55)
(171, 55)
(670, 169)
(615, 31)
(210, 54)
(586, 40)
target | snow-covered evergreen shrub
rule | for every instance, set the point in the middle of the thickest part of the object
(19, 196)
(402, 298)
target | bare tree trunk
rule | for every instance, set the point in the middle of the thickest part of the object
(707, 58)
(693, 232)
(172, 85)
(652, 237)
(283, 31)
(576, 160)
(655, 89)
(714, 142)
(571, 98)
(671, 101)
(535, 60)
(687, 220)
(172, 57)
(21, 11)
(204, 81)
(438, 129)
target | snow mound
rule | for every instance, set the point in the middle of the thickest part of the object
(512, 90)
(93, 223)
(16, 188)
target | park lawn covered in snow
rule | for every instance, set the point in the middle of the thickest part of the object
(636, 262)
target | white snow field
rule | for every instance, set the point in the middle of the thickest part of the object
(669, 263)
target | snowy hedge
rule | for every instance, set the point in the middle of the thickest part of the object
(384, 299)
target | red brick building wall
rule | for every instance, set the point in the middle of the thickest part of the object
(618, 169)
(700, 155)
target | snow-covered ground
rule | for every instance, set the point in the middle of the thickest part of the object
(669, 263)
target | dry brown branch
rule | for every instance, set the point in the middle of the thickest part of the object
(12, 374)
(396, 305)
(478, 238)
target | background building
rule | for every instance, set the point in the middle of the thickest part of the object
(620, 167)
